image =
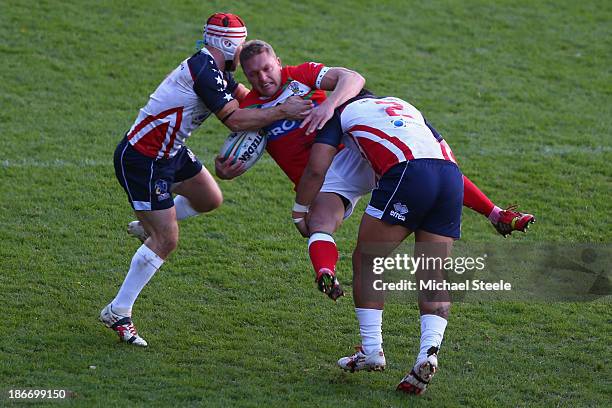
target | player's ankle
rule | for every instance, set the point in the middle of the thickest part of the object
(494, 215)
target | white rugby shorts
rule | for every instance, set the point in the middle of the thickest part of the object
(351, 176)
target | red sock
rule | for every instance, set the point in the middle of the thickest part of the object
(476, 199)
(323, 252)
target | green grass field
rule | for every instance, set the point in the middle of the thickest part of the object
(521, 90)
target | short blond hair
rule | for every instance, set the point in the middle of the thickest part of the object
(253, 48)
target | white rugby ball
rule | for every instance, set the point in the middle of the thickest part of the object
(246, 147)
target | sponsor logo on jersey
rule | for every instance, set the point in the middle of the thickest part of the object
(282, 127)
(398, 211)
(398, 123)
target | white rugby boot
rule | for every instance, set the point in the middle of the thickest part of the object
(122, 325)
(360, 361)
(421, 374)
(136, 229)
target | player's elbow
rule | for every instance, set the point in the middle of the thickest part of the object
(355, 78)
(358, 79)
(314, 173)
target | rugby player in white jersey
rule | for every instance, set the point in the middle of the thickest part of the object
(419, 190)
(152, 161)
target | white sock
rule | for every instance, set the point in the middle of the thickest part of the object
(370, 326)
(494, 215)
(432, 332)
(183, 208)
(144, 265)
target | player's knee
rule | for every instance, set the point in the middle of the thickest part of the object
(212, 202)
(165, 240)
(168, 243)
(216, 200)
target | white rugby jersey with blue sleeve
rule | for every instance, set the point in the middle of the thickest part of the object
(179, 105)
(386, 131)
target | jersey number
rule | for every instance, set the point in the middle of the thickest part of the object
(394, 109)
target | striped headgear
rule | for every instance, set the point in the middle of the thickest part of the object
(225, 32)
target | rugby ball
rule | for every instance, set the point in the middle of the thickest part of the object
(246, 147)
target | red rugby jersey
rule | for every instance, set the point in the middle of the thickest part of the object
(289, 145)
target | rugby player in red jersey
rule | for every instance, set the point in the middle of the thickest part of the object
(152, 161)
(289, 144)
